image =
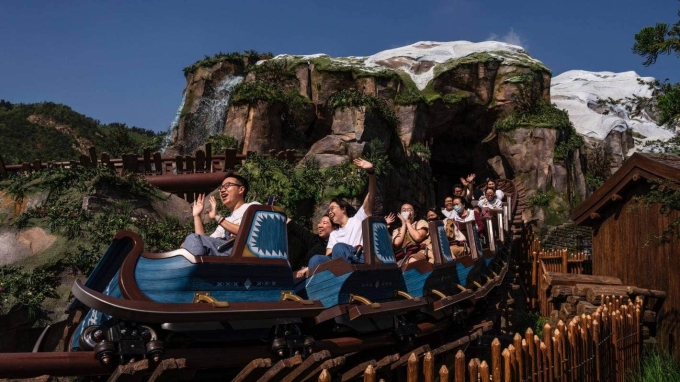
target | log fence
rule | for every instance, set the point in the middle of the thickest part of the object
(602, 346)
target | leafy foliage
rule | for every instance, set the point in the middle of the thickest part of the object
(598, 168)
(409, 96)
(24, 141)
(657, 367)
(353, 97)
(650, 42)
(421, 150)
(28, 289)
(248, 57)
(545, 115)
(666, 196)
(540, 199)
(222, 142)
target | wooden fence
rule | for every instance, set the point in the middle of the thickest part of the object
(533, 262)
(604, 346)
(150, 164)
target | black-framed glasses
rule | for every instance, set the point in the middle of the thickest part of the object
(229, 184)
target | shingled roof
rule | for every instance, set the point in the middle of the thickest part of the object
(648, 166)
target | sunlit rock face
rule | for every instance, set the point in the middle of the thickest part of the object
(446, 96)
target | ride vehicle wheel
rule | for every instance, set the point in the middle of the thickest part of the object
(104, 351)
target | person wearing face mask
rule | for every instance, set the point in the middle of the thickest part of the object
(412, 238)
(463, 215)
(314, 243)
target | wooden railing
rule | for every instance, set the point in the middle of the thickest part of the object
(183, 175)
(604, 346)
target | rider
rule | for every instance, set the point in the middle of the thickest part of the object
(345, 241)
(232, 193)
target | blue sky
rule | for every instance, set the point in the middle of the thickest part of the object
(122, 61)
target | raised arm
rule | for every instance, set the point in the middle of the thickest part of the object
(196, 211)
(368, 201)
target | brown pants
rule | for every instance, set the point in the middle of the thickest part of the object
(457, 250)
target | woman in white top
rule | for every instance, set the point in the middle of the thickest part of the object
(490, 200)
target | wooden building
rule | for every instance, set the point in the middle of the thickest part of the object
(625, 236)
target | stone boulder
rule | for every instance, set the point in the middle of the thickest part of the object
(16, 245)
(529, 153)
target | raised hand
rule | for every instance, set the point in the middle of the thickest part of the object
(197, 208)
(212, 213)
(463, 181)
(363, 163)
(390, 218)
(471, 177)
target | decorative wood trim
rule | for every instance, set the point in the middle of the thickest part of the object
(616, 197)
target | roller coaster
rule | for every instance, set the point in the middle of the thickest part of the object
(224, 312)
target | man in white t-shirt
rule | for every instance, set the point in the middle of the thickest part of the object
(232, 193)
(343, 242)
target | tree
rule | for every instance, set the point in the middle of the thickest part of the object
(650, 42)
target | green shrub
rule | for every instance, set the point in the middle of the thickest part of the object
(540, 199)
(222, 142)
(352, 98)
(248, 57)
(421, 150)
(565, 148)
(258, 90)
(26, 289)
(657, 367)
(409, 96)
(545, 115)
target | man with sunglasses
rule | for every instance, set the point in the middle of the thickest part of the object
(233, 194)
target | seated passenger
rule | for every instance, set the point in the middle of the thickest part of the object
(499, 193)
(459, 190)
(490, 200)
(314, 243)
(448, 211)
(463, 215)
(434, 214)
(457, 241)
(411, 240)
(347, 239)
(232, 193)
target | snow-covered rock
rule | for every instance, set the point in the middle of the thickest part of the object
(419, 60)
(578, 92)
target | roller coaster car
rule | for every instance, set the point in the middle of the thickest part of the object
(212, 298)
(362, 297)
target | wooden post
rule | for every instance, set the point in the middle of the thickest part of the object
(565, 261)
(208, 157)
(147, 160)
(3, 169)
(93, 156)
(158, 163)
(507, 368)
(531, 352)
(443, 374)
(369, 374)
(325, 376)
(459, 368)
(484, 372)
(200, 161)
(83, 159)
(473, 369)
(106, 160)
(547, 341)
(412, 368)
(229, 160)
(37, 165)
(428, 367)
(179, 164)
(517, 341)
(496, 359)
(189, 163)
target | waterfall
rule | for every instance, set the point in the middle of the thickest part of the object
(173, 124)
(212, 112)
(218, 107)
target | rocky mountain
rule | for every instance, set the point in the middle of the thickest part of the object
(441, 99)
(610, 108)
